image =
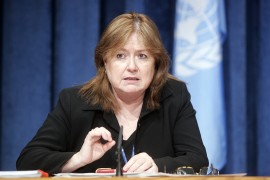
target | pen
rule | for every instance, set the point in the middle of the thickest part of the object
(124, 154)
(133, 152)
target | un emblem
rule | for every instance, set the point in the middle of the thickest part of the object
(197, 38)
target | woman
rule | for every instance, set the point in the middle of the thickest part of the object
(132, 88)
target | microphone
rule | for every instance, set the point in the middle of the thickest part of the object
(119, 171)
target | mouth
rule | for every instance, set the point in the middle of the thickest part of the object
(131, 79)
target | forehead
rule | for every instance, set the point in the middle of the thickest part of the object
(133, 42)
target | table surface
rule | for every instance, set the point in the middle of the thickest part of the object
(222, 177)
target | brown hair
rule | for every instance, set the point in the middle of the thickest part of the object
(98, 90)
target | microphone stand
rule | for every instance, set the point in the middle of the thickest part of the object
(119, 171)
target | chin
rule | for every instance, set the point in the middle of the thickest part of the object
(132, 91)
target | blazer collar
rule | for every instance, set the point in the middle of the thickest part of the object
(165, 93)
(87, 107)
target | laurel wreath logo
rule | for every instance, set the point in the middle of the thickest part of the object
(197, 40)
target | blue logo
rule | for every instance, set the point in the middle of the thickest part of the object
(197, 37)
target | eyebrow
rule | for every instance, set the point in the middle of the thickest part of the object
(139, 50)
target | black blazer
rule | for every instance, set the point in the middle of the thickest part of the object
(170, 135)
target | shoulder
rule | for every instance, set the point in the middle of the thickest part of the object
(175, 84)
(74, 99)
(175, 92)
(176, 99)
(71, 95)
(70, 91)
(174, 87)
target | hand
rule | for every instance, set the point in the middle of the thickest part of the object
(92, 149)
(141, 163)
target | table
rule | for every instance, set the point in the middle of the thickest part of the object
(222, 177)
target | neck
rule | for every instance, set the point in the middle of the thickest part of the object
(129, 111)
(129, 101)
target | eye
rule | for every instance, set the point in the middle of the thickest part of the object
(120, 56)
(142, 56)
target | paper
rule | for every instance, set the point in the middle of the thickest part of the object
(134, 174)
(22, 174)
(91, 174)
(160, 174)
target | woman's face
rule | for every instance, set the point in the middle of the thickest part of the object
(131, 68)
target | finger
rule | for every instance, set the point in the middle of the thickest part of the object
(143, 167)
(152, 169)
(93, 135)
(108, 145)
(106, 135)
(134, 167)
(135, 162)
(97, 133)
(141, 163)
(130, 163)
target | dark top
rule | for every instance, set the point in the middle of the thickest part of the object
(170, 135)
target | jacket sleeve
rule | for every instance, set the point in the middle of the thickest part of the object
(48, 149)
(187, 143)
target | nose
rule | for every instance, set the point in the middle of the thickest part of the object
(132, 66)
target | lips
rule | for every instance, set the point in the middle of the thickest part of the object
(131, 78)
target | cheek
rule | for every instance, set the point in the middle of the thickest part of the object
(151, 71)
(113, 73)
(150, 75)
